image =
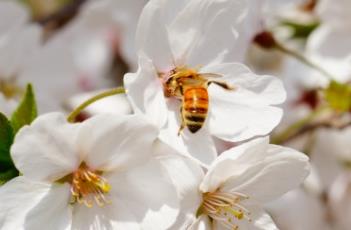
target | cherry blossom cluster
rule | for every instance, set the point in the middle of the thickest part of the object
(188, 138)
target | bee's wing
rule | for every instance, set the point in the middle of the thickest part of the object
(210, 75)
(194, 81)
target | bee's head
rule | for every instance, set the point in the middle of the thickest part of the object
(170, 87)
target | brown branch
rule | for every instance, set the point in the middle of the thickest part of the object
(61, 17)
(312, 127)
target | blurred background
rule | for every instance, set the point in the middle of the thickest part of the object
(70, 50)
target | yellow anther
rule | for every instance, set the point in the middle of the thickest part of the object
(88, 187)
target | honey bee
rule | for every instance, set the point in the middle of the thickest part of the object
(190, 87)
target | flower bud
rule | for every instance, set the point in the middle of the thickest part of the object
(265, 39)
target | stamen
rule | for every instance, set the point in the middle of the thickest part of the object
(88, 187)
(224, 208)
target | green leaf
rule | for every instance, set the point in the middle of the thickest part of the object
(8, 175)
(6, 140)
(26, 112)
(300, 30)
(338, 96)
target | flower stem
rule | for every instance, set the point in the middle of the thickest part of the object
(72, 116)
(291, 131)
(303, 59)
(310, 143)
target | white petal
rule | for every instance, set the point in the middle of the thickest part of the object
(322, 40)
(19, 50)
(303, 206)
(107, 142)
(260, 220)
(100, 218)
(92, 57)
(13, 15)
(198, 146)
(17, 197)
(334, 13)
(201, 223)
(114, 21)
(281, 170)
(186, 175)
(331, 148)
(22, 198)
(45, 149)
(233, 162)
(144, 195)
(52, 72)
(53, 210)
(206, 31)
(329, 45)
(235, 122)
(248, 110)
(340, 200)
(152, 37)
(257, 169)
(258, 88)
(145, 92)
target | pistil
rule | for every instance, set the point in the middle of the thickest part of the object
(225, 208)
(89, 187)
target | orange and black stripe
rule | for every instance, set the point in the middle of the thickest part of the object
(195, 108)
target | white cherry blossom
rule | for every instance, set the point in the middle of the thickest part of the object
(99, 174)
(241, 180)
(203, 38)
(19, 41)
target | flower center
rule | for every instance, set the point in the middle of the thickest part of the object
(224, 207)
(9, 89)
(89, 187)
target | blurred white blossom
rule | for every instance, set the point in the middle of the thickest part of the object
(329, 44)
(19, 42)
(340, 201)
(79, 57)
(19, 39)
(306, 211)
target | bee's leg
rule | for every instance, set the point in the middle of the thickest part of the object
(221, 84)
(182, 124)
(181, 90)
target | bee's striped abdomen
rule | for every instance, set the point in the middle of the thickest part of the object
(195, 107)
